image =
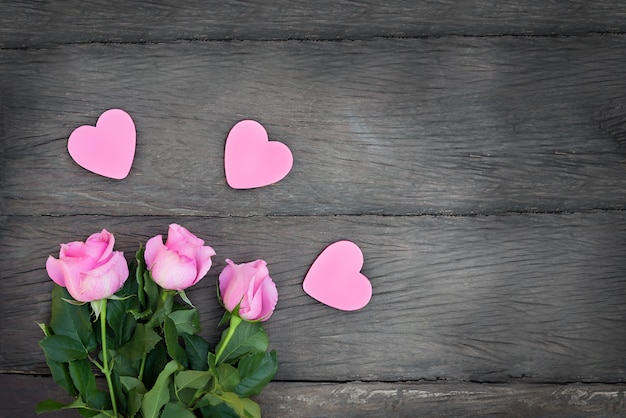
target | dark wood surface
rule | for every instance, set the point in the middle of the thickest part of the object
(32, 23)
(404, 399)
(493, 298)
(474, 150)
(395, 127)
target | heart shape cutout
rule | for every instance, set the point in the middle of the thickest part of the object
(251, 160)
(335, 277)
(107, 149)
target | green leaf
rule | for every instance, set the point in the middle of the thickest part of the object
(120, 397)
(129, 383)
(251, 408)
(171, 341)
(221, 410)
(62, 348)
(256, 371)
(87, 411)
(84, 380)
(48, 405)
(190, 385)
(139, 314)
(228, 376)
(155, 362)
(249, 337)
(140, 270)
(209, 399)
(186, 321)
(70, 320)
(152, 291)
(173, 410)
(60, 370)
(134, 390)
(240, 405)
(192, 379)
(122, 365)
(197, 349)
(212, 361)
(143, 341)
(159, 395)
(122, 324)
(61, 375)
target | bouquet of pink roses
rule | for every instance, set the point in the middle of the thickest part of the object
(145, 342)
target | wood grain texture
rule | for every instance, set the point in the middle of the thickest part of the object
(420, 126)
(488, 299)
(473, 149)
(20, 394)
(37, 23)
(441, 400)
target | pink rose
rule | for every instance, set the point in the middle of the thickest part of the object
(250, 287)
(90, 270)
(181, 262)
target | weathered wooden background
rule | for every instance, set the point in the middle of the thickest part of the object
(474, 150)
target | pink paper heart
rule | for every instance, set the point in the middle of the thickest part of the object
(251, 160)
(335, 277)
(107, 149)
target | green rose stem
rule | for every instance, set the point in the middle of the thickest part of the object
(235, 320)
(106, 369)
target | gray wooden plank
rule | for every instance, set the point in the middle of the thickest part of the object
(420, 126)
(20, 394)
(538, 297)
(37, 23)
(441, 400)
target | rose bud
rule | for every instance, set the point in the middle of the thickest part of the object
(181, 262)
(249, 288)
(90, 270)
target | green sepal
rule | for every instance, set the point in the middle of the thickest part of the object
(225, 319)
(44, 327)
(184, 297)
(96, 306)
(73, 302)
